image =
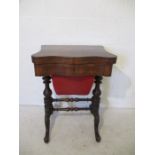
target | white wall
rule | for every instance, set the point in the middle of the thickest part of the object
(97, 22)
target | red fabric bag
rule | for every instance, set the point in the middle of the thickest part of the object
(72, 85)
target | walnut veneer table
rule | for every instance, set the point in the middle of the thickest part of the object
(73, 69)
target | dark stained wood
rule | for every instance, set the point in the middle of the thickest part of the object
(73, 60)
(71, 99)
(71, 52)
(94, 107)
(71, 109)
(48, 106)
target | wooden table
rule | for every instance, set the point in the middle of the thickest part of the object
(69, 61)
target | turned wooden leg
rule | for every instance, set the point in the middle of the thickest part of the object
(94, 107)
(48, 106)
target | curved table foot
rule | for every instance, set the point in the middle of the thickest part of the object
(98, 137)
(46, 138)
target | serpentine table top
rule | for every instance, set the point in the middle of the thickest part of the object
(73, 60)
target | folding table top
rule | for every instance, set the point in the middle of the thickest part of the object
(73, 60)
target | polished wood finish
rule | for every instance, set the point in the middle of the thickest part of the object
(72, 99)
(48, 106)
(71, 109)
(74, 60)
(94, 107)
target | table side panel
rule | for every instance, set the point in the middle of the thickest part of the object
(73, 70)
(73, 61)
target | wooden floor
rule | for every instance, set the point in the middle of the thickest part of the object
(72, 132)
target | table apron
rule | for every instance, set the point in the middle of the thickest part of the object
(73, 70)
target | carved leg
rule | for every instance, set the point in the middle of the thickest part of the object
(48, 106)
(94, 107)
